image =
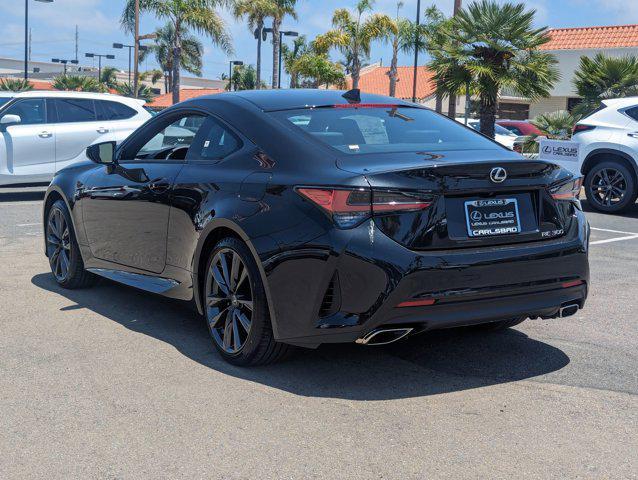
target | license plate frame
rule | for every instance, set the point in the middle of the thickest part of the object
(492, 217)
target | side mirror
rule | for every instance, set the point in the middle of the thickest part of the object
(102, 153)
(8, 120)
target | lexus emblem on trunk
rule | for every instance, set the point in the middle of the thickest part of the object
(498, 175)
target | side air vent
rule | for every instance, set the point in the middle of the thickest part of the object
(331, 299)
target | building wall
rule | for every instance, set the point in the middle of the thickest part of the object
(547, 105)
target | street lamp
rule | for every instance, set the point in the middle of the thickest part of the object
(64, 62)
(130, 49)
(26, 35)
(288, 33)
(230, 72)
(99, 68)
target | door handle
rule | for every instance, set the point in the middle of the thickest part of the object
(45, 134)
(633, 135)
(102, 130)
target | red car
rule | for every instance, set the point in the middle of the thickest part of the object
(519, 127)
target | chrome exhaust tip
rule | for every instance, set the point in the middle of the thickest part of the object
(384, 336)
(568, 310)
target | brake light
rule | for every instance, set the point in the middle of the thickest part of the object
(569, 190)
(579, 128)
(349, 207)
(425, 302)
(366, 105)
(573, 283)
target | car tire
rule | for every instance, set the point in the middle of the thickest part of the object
(500, 325)
(236, 307)
(596, 183)
(63, 251)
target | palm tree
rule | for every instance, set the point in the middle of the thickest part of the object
(291, 56)
(15, 85)
(244, 78)
(109, 77)
(555, 126)
(143, 91)
(198, 15)
(77, 83)
(604, 77)
(490, 46)
(162, 49)
(256, 11)
(281, 9)
(431, 38)
(353, 33)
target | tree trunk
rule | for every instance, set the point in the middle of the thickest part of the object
(177, 57)
(260, 27)
(488, 114)
(393, 73)
(439, 102)
(451, 109)
(356, 68)
(276, 23)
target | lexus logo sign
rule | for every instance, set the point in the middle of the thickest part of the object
(498, 175)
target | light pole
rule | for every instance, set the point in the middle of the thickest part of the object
(26, 35)
(130, 48)
(416, 49)
(99, 68)
(288, 33)
(64, 62)
(230, 72)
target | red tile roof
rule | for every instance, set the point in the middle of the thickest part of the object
(41, 85)
(166, 100)
(615, 36)
(375, 80)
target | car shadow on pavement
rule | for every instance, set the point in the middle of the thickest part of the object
(631, 213)
(427, 364)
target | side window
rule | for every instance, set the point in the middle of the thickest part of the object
(108, 110)
(170, 141)
(73, 110)
(632, 112)
(31, 111)
(214, 142)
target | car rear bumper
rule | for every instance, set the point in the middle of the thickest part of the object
(333, 298)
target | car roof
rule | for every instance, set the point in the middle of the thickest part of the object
(621, 102)
(72, 94)
(290, 99)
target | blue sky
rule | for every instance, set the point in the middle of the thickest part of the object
(53, 26)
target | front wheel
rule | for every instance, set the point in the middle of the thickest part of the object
(63, 251)
(237, 309)
(610, 187)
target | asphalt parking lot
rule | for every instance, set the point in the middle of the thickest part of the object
(114, 383)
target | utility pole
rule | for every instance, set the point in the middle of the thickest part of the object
(136, 55)
(30, 42)
(77, 41)
(451, 112)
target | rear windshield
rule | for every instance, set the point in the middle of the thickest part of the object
(391, 129)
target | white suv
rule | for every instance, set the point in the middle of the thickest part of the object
(42, 132)
(608, 155)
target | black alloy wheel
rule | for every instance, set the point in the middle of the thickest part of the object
(63, 251)
(58, 245)
(610, 187)
(229, 303)
(236, 307)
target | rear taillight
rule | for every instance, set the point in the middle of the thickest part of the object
(569, 190)
(349, 207)
(579, 128)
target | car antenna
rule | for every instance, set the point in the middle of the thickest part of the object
(353, 96)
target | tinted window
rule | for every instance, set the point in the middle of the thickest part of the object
(171, 137)
(107, 110)
(31, 111)
(4, 100)
(72, 110)
(632, 112)
(214, 142)
(384, 129)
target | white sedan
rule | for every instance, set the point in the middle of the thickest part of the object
(42, 132)
(502, 136)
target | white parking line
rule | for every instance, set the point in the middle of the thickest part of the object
(613, 231)
(13, 204)
(27, 224)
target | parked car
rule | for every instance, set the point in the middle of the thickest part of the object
(42, 132)
(303, 217)
(608, 155)
(520, 128)
(502, 135)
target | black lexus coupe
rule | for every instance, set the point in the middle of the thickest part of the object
(302, 217)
